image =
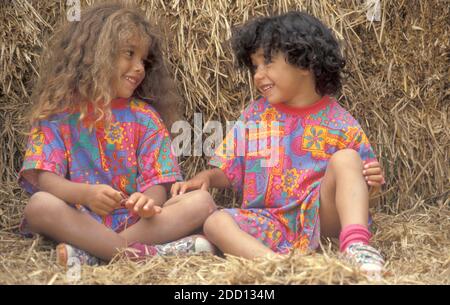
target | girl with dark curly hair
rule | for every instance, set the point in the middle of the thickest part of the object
(319, 186)
(98, 162)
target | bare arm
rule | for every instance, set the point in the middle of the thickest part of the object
(148, 203)
(157, 193)
(204, 180)
(216, 177)
(101, 199)
(68, 191)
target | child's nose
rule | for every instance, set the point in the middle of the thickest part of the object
(139, 66)
(259, 74)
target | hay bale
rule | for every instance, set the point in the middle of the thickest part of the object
(395, 86)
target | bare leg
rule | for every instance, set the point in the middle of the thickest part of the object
(180, 216)
(50, 216)
(221, 229)
(344, 197)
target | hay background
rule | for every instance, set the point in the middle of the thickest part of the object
(397, 86)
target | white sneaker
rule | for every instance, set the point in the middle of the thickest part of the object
(190, 245)
(67, 254)
(366, 258)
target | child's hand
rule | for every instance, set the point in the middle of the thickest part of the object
(102, 199)
(198, 182)
(373, 174)
(142, 205)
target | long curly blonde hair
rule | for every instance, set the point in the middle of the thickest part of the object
(78, 64)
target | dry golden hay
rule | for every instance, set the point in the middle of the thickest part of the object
(396, 85)
(416, 245)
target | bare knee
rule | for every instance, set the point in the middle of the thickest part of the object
(41, 208)
(202, 202)
(215, 221)
(346, 159)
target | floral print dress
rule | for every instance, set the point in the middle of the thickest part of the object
(278, 160)
(131, 155)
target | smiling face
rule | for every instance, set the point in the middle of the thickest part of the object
(130, 68)
(281, 82)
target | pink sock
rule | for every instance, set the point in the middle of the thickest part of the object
(352, 234)
(140, 251)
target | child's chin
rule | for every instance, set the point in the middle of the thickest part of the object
(274, 102)
(125, 95)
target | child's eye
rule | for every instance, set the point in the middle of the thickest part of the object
(129, 53)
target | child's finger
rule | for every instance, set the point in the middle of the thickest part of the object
(148, 214)
(113, 194)
(372, 171)
(108, 202)
(118, 196)
(131, 201)
(184, 188)
(372, 164)
(148, 205)
(149, 210)
(174, 189)
(129, 204)
(134, 197)
(140, 204)
(204, 187)
(152, 210)
(374, 183)
(157, 209)
(101, 210)
(375, 178)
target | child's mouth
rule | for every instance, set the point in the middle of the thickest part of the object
(132, 80)
(265, 89)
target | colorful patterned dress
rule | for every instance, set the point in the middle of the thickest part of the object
(281, 198)
(132, 155)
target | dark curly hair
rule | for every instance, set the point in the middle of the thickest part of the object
(305, 41)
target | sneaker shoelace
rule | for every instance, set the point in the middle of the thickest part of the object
(367, 258)
(180, 247)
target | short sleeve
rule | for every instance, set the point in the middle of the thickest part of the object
(360, 143)
(45, 151)
(156, 162)
(229, 156)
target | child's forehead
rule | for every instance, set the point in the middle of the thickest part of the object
(260, 55)
(136, 41)
(258, 52)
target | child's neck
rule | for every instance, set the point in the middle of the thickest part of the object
(304, 99)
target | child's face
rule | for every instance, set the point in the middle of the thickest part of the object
(279, 81)
(130, 69)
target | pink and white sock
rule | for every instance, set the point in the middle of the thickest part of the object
(352, 234)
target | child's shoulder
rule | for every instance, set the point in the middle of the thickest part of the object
(141, 105)
(255, 108)
(339, 112)
(55, 120)
(143, 109)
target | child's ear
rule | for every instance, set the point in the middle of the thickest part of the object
(305, 72)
